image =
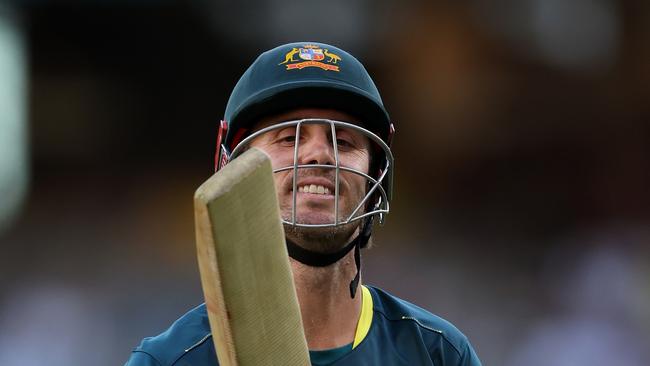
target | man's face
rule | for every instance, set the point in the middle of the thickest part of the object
(316, 186)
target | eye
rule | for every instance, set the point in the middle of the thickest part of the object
(342, 142)
(345, 140)
(286, 137)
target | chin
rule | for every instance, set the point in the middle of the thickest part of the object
(320, 239)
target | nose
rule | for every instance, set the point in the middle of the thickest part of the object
(316, 145)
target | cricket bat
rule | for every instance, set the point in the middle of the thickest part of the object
(245, 272)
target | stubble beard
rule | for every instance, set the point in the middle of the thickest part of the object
(322, 239)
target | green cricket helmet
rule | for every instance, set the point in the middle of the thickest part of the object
(304, 75)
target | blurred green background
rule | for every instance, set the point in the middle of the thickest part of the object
(521, 208)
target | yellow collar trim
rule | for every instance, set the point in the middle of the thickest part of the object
(365, 319)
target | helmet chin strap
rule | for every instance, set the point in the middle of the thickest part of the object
(317, 259)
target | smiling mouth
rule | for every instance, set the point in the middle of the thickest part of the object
(314, 189)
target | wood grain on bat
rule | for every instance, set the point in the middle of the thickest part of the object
(244, 266)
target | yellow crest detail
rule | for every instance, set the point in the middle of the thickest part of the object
(310, 55)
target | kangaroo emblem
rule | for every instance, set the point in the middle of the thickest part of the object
(289, 56)
(334, 58)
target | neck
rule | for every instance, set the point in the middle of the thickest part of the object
(329, 314)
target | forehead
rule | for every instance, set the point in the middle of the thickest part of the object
(302, 113)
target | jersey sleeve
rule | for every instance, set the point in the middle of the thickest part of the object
(139, 358)
(469, 357)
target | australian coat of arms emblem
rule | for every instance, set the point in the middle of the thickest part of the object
(311, 56)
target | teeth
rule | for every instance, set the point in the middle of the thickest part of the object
(314, 189)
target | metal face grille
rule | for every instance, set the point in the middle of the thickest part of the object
(379, 186)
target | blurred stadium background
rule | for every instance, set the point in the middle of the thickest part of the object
(522, 205)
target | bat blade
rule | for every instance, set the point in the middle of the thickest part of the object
(245, 273)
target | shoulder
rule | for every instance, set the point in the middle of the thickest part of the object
(438, 334)
(189, 334)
